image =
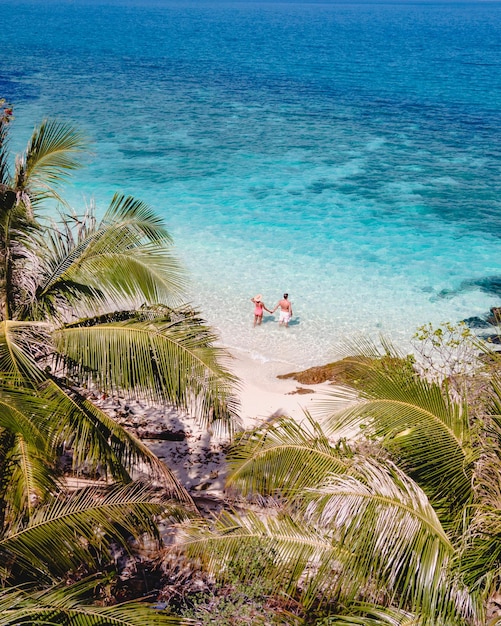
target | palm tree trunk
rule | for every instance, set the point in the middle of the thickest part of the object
(6, 443)
(7, 284)
(8, 201)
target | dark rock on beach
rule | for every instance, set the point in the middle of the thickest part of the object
(336, 373)
(493, 318)
(314, 375)
(348, 371)
(477, 322)
(300, 391)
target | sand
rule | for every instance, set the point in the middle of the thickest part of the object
(264, 396)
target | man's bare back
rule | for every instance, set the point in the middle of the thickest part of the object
(285, 305)
(285, 310)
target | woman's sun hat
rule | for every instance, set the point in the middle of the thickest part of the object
(258, 298)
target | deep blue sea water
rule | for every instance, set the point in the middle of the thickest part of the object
(347, 153)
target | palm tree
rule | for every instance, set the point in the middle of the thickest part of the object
(86, 304)
(58, 606)
(399, 525)
(94, 302)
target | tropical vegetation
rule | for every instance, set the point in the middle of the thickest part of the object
(385, 510)
(87, 306)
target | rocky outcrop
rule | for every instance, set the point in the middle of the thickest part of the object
(350, 371)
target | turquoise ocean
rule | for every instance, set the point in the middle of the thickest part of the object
(347, 153)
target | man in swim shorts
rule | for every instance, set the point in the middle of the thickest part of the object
(285, 311)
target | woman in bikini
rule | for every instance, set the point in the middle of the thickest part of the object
(259, 308)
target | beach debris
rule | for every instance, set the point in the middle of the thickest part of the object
(163, 435)
(202, 486)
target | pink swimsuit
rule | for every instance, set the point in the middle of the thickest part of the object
(259, 309)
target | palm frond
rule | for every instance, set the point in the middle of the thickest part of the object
(129, 255)
(64, 605)
(73, 530)
(46, 294)
(130, 215)
(24, 414)
(52, 153)
(20, 343)
(392, 536)
(365, 614)
(479, 557)
(403, 524)
(284, 457)
(287, 551)
(145, 274)
(32, 478)
(10, 599)
(125, 260)
(379, 532)
(27, 457)
(418, 423)
(173, 360)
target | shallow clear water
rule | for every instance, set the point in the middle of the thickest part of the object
(349, 154)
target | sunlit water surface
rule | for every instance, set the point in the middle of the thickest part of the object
(348, 154)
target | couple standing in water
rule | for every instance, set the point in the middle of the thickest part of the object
(285, 310)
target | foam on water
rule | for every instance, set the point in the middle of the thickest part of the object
(347, 154)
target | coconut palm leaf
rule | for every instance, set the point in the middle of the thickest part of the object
(418, 423)
(125, 614)
(393, 533)
(78, 529)
(50, 417)
(46, 294)
(288, 551)
(126, 258)
(147, 274)
(27, 457)
(364, 614)
(392, 536)
(65, 606)
(100, 443)
(284, 457)
(53, 151)
(20, 343)
(130, 215)
(480, 554)
(31, 477)
(371, 528)
(172, 360)
(24, 414)
(129, 255)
